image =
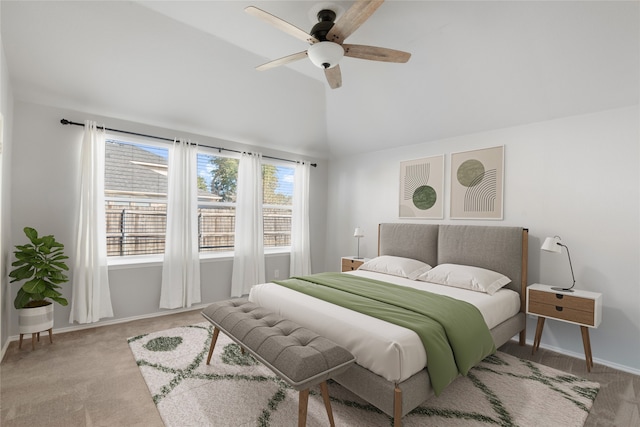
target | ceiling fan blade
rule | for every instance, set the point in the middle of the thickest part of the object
(352, 19)
(282, 61)
(374, 53)
(334, 76)
(281, 24)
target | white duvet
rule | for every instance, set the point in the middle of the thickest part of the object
(393, 352)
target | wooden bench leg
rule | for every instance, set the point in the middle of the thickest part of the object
(303, 400)
(214, 338)
(327, 402)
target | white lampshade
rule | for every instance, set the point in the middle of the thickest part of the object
(552, 244)
(358, 232)
(325, 54)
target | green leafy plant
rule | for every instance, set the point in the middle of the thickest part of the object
(41, 264)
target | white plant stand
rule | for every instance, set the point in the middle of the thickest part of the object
(34, 320)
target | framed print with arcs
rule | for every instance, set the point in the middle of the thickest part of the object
(421, 188)
(477, 184)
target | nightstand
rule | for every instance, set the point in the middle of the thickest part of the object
(350, 263)
(580, 307)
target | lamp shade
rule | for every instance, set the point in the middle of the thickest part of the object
(358, 232)
(552, 244)
(325, 54)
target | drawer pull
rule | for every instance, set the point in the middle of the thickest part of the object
(559, 308)
(559, 296)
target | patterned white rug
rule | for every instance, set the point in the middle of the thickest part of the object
(235, 390)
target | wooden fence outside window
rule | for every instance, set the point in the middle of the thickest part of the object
(134, 229)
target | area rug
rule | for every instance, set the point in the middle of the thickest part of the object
(235, 390)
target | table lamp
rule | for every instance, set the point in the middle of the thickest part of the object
(554, 245)
(358, 233)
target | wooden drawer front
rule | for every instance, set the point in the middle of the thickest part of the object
(350, 264)
(562, 312)
(562, 300)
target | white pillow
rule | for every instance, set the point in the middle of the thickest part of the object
(465, 277)
(396, 266)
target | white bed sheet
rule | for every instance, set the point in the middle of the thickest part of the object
(393, 352)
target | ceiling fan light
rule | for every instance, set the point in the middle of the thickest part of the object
(325, 54)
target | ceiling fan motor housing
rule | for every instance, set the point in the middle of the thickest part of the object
(326, 18)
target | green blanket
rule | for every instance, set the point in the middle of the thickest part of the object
(453, 332)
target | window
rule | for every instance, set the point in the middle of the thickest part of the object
(217, 181)
(136, 200)
(277, 195)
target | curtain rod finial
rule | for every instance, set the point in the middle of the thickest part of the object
(65, 121)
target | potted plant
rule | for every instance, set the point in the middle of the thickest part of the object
(41, 265)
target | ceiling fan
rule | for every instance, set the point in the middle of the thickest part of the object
(327, 40)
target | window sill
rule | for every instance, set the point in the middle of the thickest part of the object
(118, 263)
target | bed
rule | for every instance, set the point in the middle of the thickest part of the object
(391, 372)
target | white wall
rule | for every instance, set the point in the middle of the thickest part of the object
(45, 186)
(6, 109)
(577, 177)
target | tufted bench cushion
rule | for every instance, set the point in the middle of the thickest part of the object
(299, 356)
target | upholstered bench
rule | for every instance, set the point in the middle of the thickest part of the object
(297, 355)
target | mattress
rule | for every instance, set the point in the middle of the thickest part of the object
(393, 352)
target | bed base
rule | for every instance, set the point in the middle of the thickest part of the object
(398, 399)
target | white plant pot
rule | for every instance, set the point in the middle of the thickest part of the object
(35, 319)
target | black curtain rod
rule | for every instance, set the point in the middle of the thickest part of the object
(69, 122)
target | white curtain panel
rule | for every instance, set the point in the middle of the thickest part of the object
(181, 266)
(248, 259)
(300, 262)
(91, 299)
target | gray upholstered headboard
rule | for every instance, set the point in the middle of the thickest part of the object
(497, 248)
(417, 241)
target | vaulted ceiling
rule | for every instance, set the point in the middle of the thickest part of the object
(190, 66)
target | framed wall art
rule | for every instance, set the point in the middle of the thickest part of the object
(421, 188)
(477, 183)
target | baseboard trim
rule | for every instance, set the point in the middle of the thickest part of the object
(4, 349)
(608, 363)
(83, 326)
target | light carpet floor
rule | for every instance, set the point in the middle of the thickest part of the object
(235, 390)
